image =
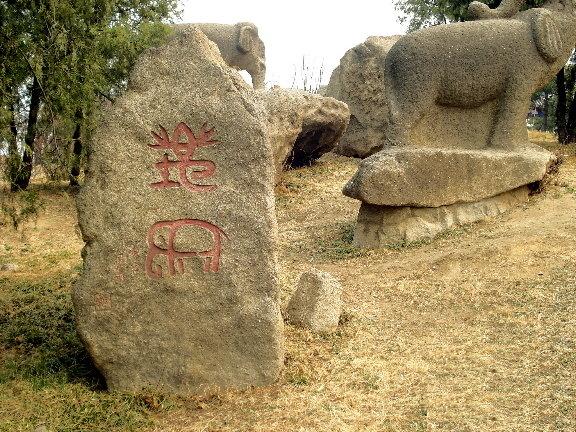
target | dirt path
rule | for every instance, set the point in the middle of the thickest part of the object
(474, 331)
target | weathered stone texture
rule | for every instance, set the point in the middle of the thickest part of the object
(317, 303)
(457, 98)
(473, 80)
(432, 177)
(379, 226)
(152, 314)
(302, 126)
(240, 47)
(359, 81)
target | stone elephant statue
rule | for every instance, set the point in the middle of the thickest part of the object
(501, 57)
(240, 47)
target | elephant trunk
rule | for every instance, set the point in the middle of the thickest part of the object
(507, 9)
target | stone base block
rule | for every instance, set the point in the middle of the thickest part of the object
(433, 177)
(378, 226)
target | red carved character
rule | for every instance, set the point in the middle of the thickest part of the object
(184, 152)
(175, 258)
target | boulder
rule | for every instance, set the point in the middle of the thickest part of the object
(359, 81)
(179, 291)
(433, 177)
(302, 126)
(317, 303)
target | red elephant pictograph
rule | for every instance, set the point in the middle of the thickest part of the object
(175, 259)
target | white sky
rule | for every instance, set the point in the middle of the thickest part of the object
(321, 31)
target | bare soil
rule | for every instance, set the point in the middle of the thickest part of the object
(473, 331)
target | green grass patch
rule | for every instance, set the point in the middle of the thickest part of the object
(448, 234)
(340, 246)
(46, 375)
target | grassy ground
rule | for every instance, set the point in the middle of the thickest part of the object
(474, 331)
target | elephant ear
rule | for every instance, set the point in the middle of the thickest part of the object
(547, 36)
(245, 39)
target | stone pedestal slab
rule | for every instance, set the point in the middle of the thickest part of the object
(434, 177)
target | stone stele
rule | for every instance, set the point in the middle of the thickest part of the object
(359, 81)
(179, 291)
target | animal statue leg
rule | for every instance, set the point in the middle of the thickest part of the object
(409, 98)
(406, 109)
(509, 129)
(258, 81)
(258, 77)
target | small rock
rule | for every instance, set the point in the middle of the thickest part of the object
(41, 428)
(317, 303)
(8, 267)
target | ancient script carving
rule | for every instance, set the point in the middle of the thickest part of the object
(188, 168)
(175, 258)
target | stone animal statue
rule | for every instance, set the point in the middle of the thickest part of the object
(501, 57)
(240, 47)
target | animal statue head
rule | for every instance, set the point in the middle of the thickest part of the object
(545, 23)
(240, 47)
(509, 8)
(252, 46)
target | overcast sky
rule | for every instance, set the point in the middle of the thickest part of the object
(321, 31)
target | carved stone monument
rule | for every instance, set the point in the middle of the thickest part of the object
(458, 95)
(179, 290)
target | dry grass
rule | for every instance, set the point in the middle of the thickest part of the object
(474, 331)
(45, 246)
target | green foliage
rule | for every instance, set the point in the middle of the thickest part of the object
(46, 376)
(75, 53)
(19, 207)
(424, 13)
(340, 247)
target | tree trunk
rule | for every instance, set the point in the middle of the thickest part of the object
(76, 151)
(14, 160)
(545, 124)
(561, 107)
(25, 172)
(571, 126)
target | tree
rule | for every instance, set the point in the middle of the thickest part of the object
(424, 13)
(61, 58)
(566, 106)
